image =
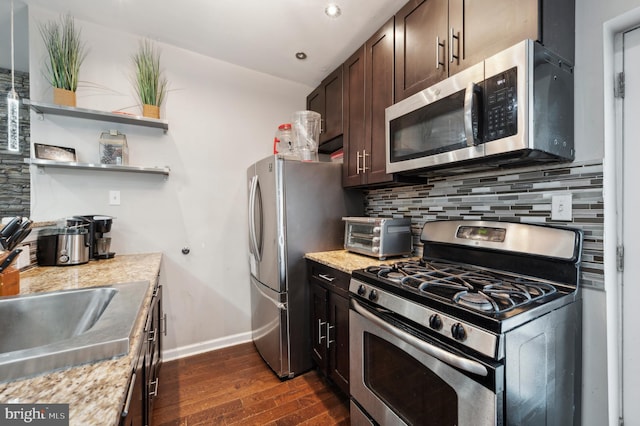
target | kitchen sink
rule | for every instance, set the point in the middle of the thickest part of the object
(48, 331)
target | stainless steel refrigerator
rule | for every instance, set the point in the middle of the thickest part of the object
(294, 208)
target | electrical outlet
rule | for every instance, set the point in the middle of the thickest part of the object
(114, 198)
(561, 208)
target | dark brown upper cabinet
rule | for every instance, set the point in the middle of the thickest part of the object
(438, 38)
(354, 126)
(326, 100)
(420, 46)
(368, 91)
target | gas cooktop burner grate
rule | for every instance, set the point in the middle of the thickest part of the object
(465, 285)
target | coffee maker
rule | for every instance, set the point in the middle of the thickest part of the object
(98, 226)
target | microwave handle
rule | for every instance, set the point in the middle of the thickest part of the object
(471, 114)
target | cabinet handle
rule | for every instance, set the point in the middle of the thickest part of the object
(329, 341)
(163, 324)
(364, 160)
(453, 36)
(358, 163)
(326, 277)
(125, 412)
(152, 335)
(155, 388)
(320, 336)
(438, 46)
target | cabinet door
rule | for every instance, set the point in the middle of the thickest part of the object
(378, 96)
(339, 341)
(154, 352)
(421, 46)
(136, 409)
(354, 126)
(315, 101)
(332, 86)
(319, 300)
(479, 29)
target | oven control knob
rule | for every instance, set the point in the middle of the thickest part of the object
(373, 296)
(458, 332)
(362, 290)
(435, 322)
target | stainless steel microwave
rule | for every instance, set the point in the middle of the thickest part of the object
(514, 107)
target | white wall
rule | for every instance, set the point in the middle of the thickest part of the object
(221, 119)
(589, 73)
(20, 35)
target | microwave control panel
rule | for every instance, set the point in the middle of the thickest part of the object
(501, 103)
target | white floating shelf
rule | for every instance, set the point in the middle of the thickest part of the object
(98, 167)
(45, 108)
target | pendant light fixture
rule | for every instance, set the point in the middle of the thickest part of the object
(13, 104)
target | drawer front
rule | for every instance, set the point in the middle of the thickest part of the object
(333, 279)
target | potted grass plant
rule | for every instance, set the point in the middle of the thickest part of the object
(150, 83)
(65, 55)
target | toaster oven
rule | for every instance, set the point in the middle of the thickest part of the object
(378, 237)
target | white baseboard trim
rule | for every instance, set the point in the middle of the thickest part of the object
(211, 345)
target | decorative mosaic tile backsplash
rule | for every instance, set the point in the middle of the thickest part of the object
(516, 195)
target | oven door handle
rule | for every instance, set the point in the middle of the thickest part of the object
(436, 352)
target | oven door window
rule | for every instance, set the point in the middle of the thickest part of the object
(407, 385)
(433, 129)
(360, 235)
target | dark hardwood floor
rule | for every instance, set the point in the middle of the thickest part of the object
(234, 386)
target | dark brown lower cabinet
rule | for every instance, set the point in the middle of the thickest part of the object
(143, 384)
(133, 412)
(330, 322)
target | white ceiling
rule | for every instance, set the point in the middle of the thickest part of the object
(257, 34)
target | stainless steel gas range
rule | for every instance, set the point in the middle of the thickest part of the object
(484, 330)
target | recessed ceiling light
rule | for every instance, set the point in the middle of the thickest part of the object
(301, 55)
(332, 10)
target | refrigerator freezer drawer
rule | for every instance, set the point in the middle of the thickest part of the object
(270, 327)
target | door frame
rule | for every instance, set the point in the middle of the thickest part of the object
(612, 62)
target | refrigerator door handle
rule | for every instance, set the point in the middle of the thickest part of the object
(250, 211)
(252, 219)
(279, 305)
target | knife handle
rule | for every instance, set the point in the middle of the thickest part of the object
(11, 227)
(9, 259)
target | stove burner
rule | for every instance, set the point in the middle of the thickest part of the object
(478, 301)
(396, 271)
(394, 275)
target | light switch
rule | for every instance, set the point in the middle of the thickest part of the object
(561, 207)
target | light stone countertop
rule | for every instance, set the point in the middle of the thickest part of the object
(96, 391)
(348, 262)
